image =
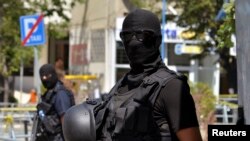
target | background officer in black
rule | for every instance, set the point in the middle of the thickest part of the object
(149, 103)
(54, 103)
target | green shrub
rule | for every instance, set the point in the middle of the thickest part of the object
(204, 100)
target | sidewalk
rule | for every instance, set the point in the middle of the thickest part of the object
(19, 132)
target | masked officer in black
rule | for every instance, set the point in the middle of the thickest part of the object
(54, 103)
(150, 103)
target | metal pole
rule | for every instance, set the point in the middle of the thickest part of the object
(36, 74)
(242, 11)
(163, 29)
(21, 80)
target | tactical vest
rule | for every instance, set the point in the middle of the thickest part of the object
(129, 116)
(51, 122)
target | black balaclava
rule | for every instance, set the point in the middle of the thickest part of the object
(48, 70)
(144, 57)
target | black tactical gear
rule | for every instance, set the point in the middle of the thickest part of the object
(49, 125)
(141, 35)
(130, 114)
(81, 118)
(142, 49)
(120, 117)
(49, 72)
(84, 120)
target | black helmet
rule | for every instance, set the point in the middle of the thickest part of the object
(79, 123)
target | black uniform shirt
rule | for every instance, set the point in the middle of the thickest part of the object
(175, 106)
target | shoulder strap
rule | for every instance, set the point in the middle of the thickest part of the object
(151, 86)
(51, 93)
(48, 96)
(162, 76)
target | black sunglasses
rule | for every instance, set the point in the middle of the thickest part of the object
(141, 35)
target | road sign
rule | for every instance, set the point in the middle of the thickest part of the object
(191, 49)
(32, 30)
(178, 49)
(187, 49)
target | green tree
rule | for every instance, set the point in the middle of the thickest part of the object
(227, 28)
(11, 51)
(214, 32)
(201, 16)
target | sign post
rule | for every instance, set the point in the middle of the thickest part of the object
(33, 34)
(243, 65)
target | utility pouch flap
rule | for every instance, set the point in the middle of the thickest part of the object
(119, 116)
(101, 115)
(51, 124)
(130, 118)
(44, 106)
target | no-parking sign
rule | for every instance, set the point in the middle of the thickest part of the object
(32, 30)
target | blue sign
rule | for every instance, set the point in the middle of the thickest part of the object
(178, 49)
(171, 33)
(32, 30)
